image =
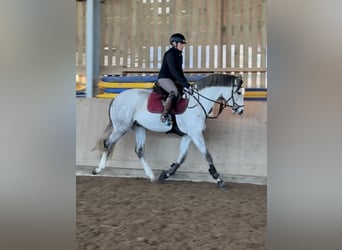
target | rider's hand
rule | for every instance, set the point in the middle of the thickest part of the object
(189, 89)
(186, 85)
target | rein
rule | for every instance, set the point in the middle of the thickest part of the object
(223, 105)
(221, 108)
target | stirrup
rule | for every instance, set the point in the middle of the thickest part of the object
(166, 118)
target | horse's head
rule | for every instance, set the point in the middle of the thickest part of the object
(236, 96)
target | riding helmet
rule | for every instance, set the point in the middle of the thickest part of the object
(178, 38)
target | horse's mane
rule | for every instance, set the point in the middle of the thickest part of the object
(216, 80)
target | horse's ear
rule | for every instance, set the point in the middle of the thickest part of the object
(240, 81)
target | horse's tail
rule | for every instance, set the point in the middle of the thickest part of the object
(105, 134)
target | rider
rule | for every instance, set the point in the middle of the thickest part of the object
(171, 71)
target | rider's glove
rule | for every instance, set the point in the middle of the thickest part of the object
(189, 89)
(186, 85)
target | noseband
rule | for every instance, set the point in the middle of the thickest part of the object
(235, 106)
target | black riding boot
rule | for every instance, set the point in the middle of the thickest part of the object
(166, 116)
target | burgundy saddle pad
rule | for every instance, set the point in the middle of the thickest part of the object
(155, 104)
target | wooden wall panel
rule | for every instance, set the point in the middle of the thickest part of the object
(136, 35)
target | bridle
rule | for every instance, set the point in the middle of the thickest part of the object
(223, 104)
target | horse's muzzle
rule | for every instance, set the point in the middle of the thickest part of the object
(238, 111)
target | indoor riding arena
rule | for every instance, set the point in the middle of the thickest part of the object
(120, 45)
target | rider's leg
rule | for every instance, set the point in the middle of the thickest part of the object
(169, 86)
(168, 107)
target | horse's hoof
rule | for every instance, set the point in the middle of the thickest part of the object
(95, 172)
(163, 175)
(221, 184)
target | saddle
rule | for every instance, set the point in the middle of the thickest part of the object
(155, 102)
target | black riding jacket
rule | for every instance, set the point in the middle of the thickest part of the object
(172, 67)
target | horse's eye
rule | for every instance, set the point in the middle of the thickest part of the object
(239, 93)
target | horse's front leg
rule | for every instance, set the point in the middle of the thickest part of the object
(201, 146)
(183, 150)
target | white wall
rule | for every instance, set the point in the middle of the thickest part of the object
(238, 144)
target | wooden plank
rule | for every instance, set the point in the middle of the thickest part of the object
(263, 42)
(254, 37)
(203, 32)
(211, 31)
(161, 26)
(242, 44)
(228, 40)
(139, 36)
(142, 85)
(178, 16)
(112, 29)
(207, 35)
(153, 33)
(112, 70)
(104, 35)
(116, 32)
(187, 13)
(139, 40)
(108, 29)
(172, 16)
(133, 33)
(202, 70)
(246, 32)
(121, 34)
(142, 42)
(194, 32)
(233, 38)
(164, 30)
(125, 32)
(104, 70)
(249, 49)
(217, 35)
(237, 24)
(220, 30)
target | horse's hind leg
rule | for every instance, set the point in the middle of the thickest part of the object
(184, 147)
(201, 146)
(140, 137)
(109, 145)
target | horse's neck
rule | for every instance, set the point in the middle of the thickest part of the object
(211, 93)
